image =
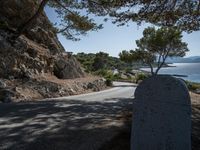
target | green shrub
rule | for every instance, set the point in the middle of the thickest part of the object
(109, 82)
(3, 25)
(192, 86)
(140, 77)
(105, 73)
(116, 76)
(128, 69)
(101, 72)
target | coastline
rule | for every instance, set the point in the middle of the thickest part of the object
(186, 71)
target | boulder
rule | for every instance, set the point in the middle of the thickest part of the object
(2, 84)
(96, 85)
(67, 67)
(6, 95)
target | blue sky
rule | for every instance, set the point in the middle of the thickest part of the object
(113, 39)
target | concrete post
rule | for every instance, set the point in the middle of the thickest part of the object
(162, 115)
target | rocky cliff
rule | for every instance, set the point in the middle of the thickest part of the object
(14, 13)
(36, 58)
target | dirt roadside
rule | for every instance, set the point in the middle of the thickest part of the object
(123, 138)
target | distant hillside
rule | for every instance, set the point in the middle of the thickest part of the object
(193, 59)
(93, 62)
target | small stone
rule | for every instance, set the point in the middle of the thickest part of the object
(6, 95)
(32, 52)
(71, 91)
(2, 84)
(90, 85)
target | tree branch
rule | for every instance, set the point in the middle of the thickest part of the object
(30, 21)
(64, 7)
(151, 67)
(164, 57)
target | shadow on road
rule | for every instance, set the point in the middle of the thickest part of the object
(61, 125)
(124, 86)
(196, 127)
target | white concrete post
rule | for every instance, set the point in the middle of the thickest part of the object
(162, 115)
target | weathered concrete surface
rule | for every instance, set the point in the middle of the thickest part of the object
(162, 115)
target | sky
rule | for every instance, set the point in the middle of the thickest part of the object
(112, 39)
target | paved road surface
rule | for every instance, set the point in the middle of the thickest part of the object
(82, 122)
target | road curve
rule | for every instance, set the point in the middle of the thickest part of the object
(81, 122)
(119, 90)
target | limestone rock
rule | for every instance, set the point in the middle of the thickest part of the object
(2, 84)
(96, 85)
(6, 95)
(67, 67)
(35, 58)
(14, 14)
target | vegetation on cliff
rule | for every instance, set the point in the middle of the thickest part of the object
(101, 60)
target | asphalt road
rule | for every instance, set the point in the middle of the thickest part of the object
(82, 122)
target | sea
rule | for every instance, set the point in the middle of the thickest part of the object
(186, 71)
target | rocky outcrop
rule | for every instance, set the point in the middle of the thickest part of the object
(14, 13)
(38, 50)
(18, 90)
(5, 93)
(35, 54)
(27, 59)
(24, 59)
(67, 69)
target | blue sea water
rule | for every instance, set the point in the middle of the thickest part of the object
(191, 70)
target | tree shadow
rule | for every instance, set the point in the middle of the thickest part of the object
(125, 85)
(196, 127)
(61, 125)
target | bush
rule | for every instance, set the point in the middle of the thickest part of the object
(109, 82)
(3, 25)
(116, 76)
(140, 77)
(105, 73)
(128, 69)
(192, 86)
(101, 72)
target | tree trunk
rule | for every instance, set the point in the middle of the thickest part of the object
(30, 21)
(160, 66)
(163, 61)
(151, 67)
(156, 72)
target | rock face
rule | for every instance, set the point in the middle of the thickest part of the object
(34, 89)
(38, 50)
(14, 13)
(67, 69)
(162, 115)
(27, 59)
(37, 53)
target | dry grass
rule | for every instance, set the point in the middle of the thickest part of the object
(195, 98)
(122, 140)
